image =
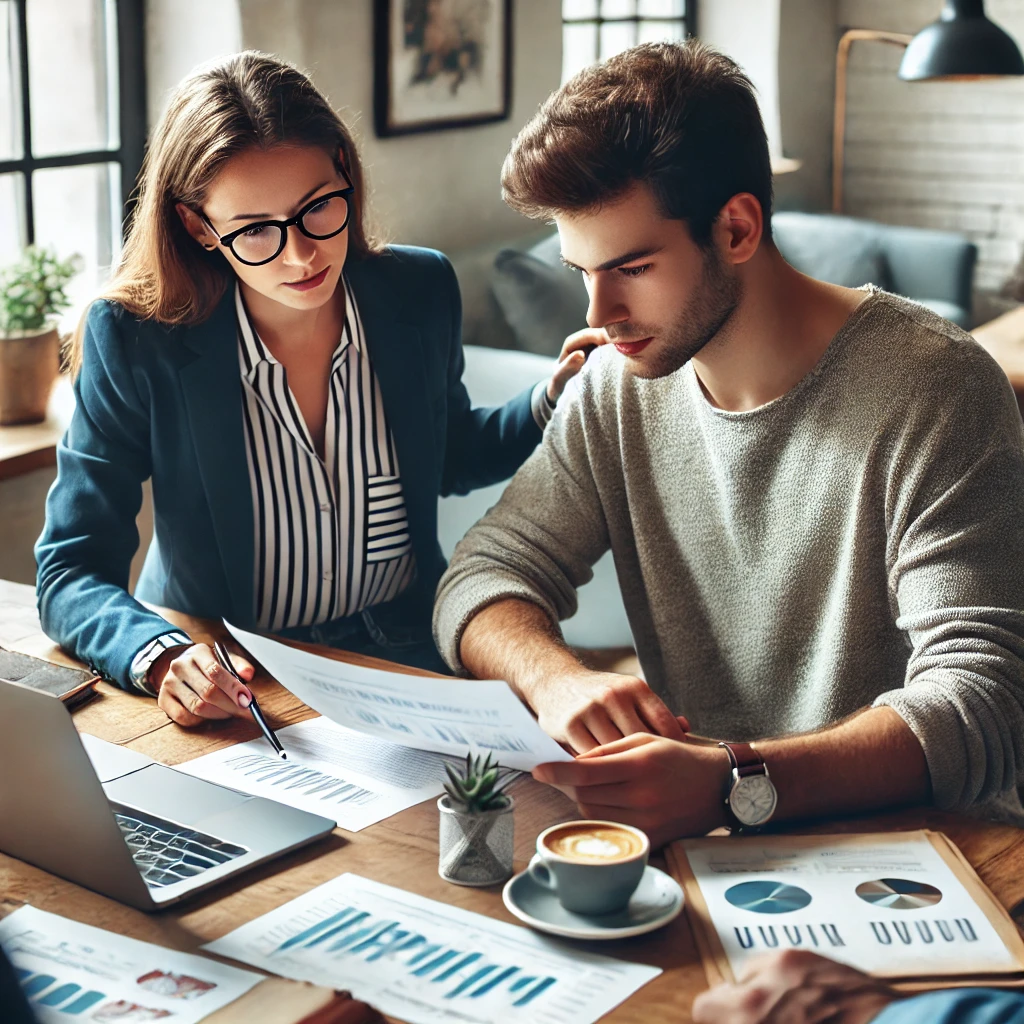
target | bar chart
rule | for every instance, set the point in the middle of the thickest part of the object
(425, 962)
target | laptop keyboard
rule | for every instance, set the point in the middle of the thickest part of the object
(166, 853)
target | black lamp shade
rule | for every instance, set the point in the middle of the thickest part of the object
(963, 43)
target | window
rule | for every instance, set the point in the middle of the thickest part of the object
(594, 30)
(72, 128)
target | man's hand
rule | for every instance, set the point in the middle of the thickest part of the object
(586, 709)
(192, 686)
(666, 787)
(572, 357)
(795, 987)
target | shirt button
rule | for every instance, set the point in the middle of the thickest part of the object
(328, 575)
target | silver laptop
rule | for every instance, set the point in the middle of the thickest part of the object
(119, 823)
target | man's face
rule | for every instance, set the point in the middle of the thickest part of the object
(658, 295)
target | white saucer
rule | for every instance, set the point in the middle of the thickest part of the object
(657, 900)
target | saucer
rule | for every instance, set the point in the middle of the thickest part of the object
(657, 900)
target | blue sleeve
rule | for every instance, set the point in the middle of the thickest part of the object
(483, 445)
(84, 554)
(957, 1006)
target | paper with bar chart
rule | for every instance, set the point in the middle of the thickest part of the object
(426, 962)
(332, 771)
(448, 716)
(71, 971)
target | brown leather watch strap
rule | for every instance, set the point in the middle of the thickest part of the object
(745, 759)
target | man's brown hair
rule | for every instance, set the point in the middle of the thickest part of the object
(679, 117)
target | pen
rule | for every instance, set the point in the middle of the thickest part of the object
(221, 654)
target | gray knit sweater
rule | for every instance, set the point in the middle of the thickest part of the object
(858, 541)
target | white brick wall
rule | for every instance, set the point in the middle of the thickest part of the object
(936, 154)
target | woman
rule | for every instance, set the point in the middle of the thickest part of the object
(293, 390)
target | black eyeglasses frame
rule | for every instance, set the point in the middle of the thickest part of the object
(283, 226)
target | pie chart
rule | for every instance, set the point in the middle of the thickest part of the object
(764, 897)
(899, 894)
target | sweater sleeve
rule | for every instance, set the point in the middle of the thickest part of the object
(538, 543)
(955, 562)
(956, 1006)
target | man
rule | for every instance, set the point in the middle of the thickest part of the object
(814, 495)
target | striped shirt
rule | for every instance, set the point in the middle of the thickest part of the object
(331, 534)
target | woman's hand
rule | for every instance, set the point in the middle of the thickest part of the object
(191, 686)
(572, 357)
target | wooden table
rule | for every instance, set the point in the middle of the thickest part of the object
(402, 851)
(1004, 340)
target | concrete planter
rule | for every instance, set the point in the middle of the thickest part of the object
(29, 364)
(475, 849)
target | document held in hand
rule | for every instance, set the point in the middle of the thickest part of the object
(448, 716)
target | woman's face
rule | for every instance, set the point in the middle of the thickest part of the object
(260, 185)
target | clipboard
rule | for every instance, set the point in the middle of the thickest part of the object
(716, 963)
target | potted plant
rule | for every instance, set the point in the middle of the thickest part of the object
(32, 292)
(476, 823)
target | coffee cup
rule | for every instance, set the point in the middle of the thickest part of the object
(592, 867)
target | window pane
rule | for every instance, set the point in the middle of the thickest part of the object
(579, 48)
(579, 8)
(10, 94)
(618, 8)
(661, 31)
(12, 217)
(78, 210)
(617, 36)
(662, 8)
(72, 75)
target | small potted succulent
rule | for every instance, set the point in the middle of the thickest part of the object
(32, 293)
(476, 823)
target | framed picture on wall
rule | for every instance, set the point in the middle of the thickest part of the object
(441, 64)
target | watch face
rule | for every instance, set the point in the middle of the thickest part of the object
(753, 799)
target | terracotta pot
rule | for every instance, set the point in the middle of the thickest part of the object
(29, 364)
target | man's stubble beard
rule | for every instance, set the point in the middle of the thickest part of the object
(708, 311)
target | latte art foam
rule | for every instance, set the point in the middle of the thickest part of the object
(594, 844)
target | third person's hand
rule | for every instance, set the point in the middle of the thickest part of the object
(574, 354)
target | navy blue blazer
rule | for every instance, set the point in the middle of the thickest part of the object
(166, 403)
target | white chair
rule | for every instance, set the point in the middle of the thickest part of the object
(492, 377)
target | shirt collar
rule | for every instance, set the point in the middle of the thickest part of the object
(252, 351)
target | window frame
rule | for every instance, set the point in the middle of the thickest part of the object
(131, 95)
(688, 20)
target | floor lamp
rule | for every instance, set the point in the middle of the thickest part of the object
(962, 45)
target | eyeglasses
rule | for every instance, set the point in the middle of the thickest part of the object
(259, 243)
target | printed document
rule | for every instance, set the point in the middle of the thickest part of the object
(71, 971)
(448, 716)
(893, 908)
(426, 962)
(332, 771)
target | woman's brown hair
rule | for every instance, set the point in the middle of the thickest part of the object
(222, 108)
(679, 117)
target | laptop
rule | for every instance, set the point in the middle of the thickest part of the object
(115, 821)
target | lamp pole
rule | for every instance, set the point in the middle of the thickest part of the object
(846, 41)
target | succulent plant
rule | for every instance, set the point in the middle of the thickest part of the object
(32, 290)
(478, 787)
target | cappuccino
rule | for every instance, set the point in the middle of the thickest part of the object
(593, 843)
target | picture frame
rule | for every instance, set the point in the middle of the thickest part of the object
(441, 64)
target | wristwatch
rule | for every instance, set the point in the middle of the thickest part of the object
(751, 797)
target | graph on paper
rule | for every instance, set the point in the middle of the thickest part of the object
(424, 961)
(331, 770)
(70, 971)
